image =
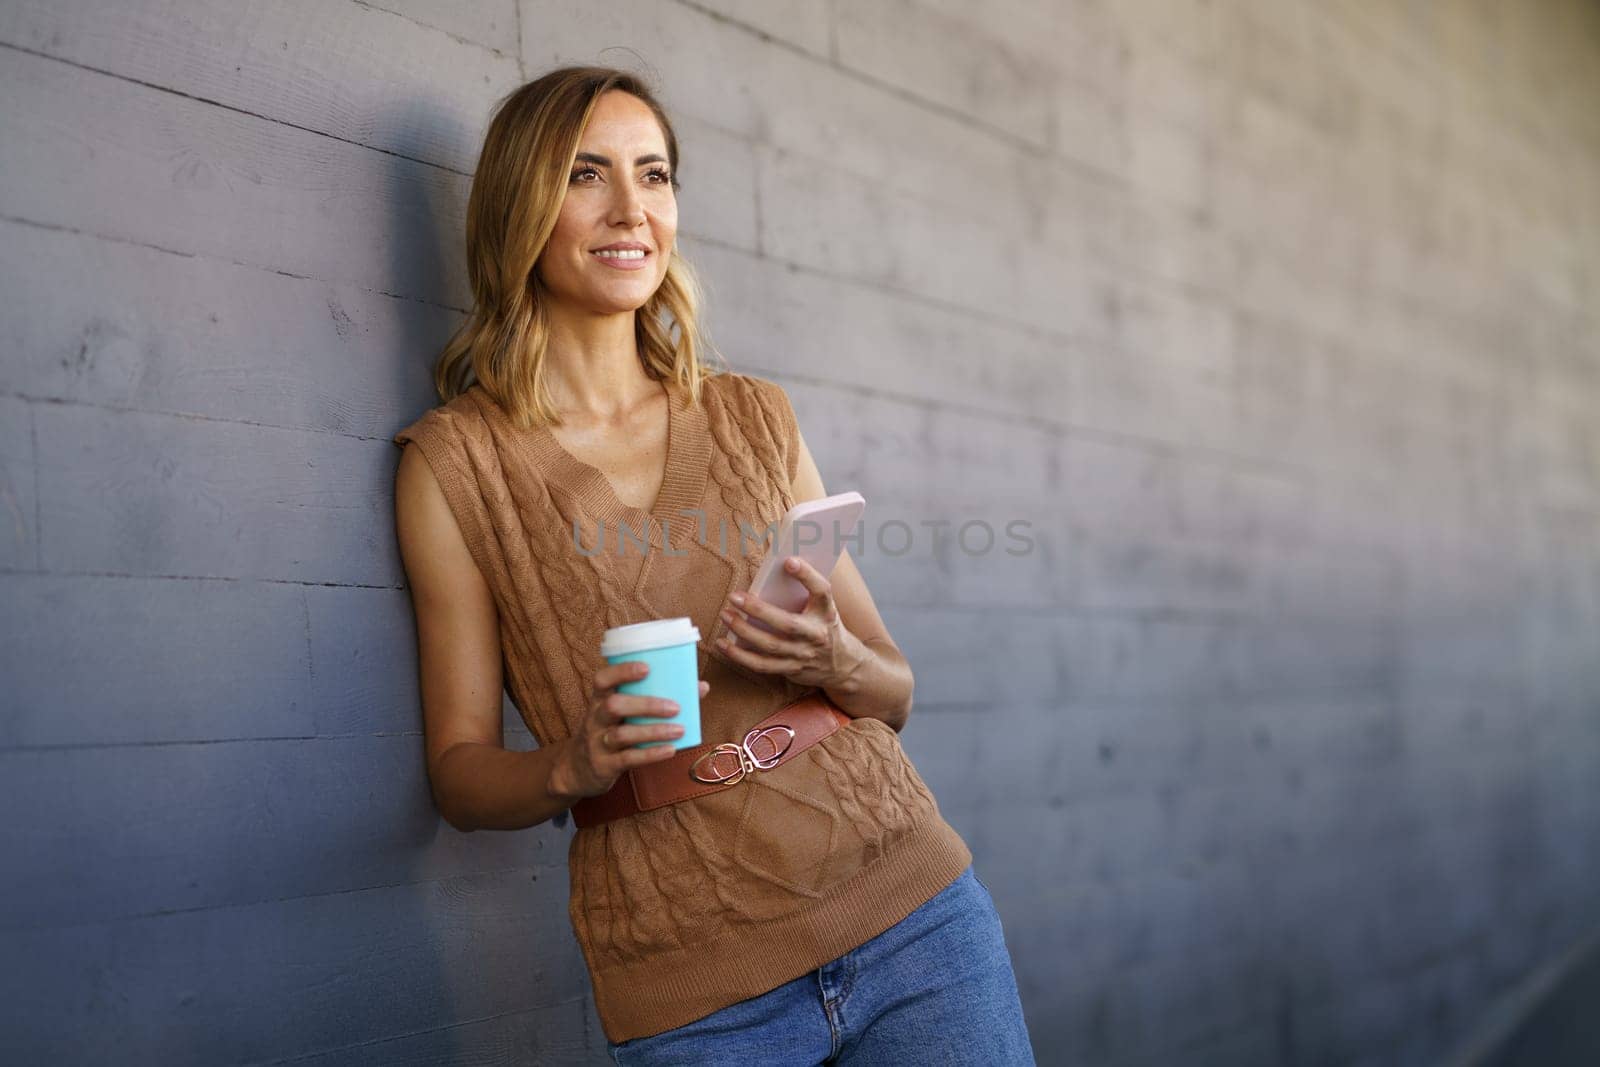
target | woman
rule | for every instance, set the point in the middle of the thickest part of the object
(817, 910)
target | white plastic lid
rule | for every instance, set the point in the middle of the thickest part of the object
(643, 636)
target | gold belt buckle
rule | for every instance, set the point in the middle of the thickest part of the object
(745, 753)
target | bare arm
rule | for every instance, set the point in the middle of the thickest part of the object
(881, 683)
(478, 784)
(841, 642)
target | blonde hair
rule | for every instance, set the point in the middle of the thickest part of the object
(517, 192)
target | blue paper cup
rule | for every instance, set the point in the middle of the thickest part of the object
(669, 646)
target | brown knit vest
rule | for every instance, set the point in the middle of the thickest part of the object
(685, 909)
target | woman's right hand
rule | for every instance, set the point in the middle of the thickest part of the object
(601, 749)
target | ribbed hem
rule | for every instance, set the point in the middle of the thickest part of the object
(646, 997)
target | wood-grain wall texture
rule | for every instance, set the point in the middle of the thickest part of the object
(1277, 322)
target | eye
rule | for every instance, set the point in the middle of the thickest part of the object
(661, 174)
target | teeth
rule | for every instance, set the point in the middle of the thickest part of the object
(632, 253)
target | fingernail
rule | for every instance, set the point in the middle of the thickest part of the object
(737, 598)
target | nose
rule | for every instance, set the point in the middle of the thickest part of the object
(627, 207)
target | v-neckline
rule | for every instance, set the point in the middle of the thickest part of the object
(683, 480)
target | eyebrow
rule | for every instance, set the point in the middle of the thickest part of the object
(590, 157)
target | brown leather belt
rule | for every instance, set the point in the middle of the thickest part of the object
(709, 768)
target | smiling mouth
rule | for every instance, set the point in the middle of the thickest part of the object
(629, 262)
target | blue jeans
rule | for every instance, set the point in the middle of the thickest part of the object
(935, 988)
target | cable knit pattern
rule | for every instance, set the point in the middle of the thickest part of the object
(757, 450)
(685, 909)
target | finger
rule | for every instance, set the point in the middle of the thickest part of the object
(625, 737)
(615, 674)
(754, 637)
(806, 575)
(634, 757)
(819, 588)
(705, 687)
(802, 629)
(620, 706)
(756, 661)
(783, 621)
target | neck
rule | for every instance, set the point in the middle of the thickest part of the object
(688, 465)
(592, 366)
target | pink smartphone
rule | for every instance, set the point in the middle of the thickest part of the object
(814, 530)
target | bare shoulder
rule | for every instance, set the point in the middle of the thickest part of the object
(432, 548)
(419, 503)
(458, 630)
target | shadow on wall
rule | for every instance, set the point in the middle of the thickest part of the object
(1552, 1021)
(427, 235)
(429, 226)
(424, 225)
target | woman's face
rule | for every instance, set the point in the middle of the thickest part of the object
(619, 192)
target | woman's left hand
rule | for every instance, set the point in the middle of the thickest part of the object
(810, 647)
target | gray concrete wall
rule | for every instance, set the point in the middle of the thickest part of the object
(1276, 320)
